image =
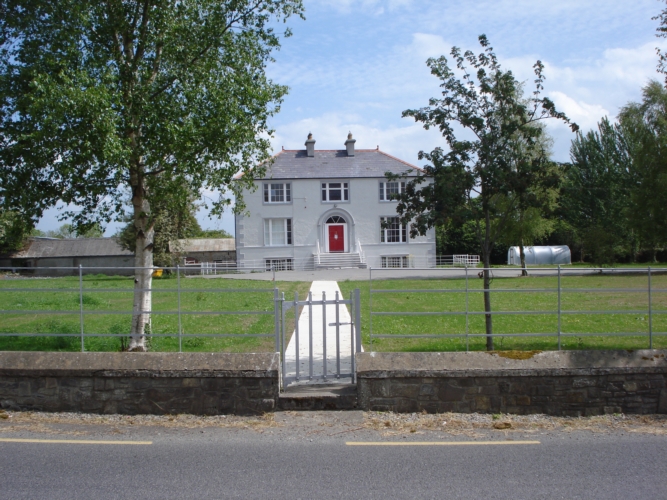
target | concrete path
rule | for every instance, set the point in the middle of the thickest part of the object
(320, 340)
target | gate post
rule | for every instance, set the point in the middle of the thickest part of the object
(296, 331)
(357, 319)
(276, 317)
(282, 330)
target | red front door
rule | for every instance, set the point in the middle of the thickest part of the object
(336, 238)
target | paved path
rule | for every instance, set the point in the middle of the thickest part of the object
(320, 341)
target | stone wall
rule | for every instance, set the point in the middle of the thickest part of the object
(135, 383)
(568, 383)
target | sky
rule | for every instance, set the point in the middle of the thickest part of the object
(354, 66)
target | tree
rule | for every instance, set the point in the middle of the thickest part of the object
(213, 233)
(643, 132)
(101, 101)
(497, 154)
(531, 204)
(662, 33)
(69, 231)
(596, 193)
(13, 231)
(173, 214)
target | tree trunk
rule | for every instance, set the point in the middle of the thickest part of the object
(522, 254)
(143, 261)
(486, 257)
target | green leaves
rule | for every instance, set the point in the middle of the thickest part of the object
(615, 194)
(96, 97)
(503, 152)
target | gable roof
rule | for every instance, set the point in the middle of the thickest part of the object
(334, 164)
(72, 247)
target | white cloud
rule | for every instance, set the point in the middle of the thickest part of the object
(425, 45)
(376, 7)
(583, 114)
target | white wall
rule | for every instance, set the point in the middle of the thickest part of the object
(309, 213)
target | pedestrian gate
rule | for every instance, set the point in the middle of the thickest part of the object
(325, 338)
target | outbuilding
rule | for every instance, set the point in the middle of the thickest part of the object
(43, 255)
(541, 255)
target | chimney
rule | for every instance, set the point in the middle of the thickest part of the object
(310, 146)
(349, 144)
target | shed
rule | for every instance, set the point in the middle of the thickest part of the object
(43, 253)
(540, 255)
(197, 250)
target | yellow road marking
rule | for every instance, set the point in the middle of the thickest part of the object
(70, 441)
(436, 443)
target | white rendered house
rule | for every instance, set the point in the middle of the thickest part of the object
(329, 208)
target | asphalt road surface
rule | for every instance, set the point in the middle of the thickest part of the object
(307, 456)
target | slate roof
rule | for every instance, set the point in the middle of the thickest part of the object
(295, 164)
(75, 247)
(203, 245)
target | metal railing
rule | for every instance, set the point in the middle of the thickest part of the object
(460, 260)
(82, 311)
(362, 257)
(334, 305)
(557, 273)
(207, 268)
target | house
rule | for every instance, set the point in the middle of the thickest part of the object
(327, 209)
(43, 255)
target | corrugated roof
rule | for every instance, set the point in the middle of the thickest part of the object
(203, 245)
(296, 164)
(75, 247)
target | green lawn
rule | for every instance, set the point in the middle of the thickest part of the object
(108, 294)
(114, 294)
(579, 293)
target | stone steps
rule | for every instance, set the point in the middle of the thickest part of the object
(339, 260)
(318, 397)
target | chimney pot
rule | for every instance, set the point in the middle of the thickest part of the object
(310, 145)
(349, 144)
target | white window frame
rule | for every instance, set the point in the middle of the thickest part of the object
(279, 264)
(268, 231)
(285, 191)
(384, 231)
(389, 261)
(325, 190)
(383, 190)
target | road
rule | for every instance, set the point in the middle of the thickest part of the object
(310, 456)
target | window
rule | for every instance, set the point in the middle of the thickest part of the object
(397, 261)
(336, 219)
(389, 190)
(277, 232)
(392, 231)
(335, 191)
(279, 264)
(277, 192)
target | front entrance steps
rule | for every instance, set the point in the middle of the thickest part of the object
(339, 260)
(318, 397)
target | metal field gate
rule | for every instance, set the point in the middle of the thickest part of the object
(326, 336)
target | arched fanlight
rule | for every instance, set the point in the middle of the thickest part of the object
(336, 219)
